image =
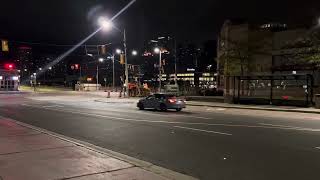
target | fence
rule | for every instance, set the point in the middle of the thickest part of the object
(294, 90)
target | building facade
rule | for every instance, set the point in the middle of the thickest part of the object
(268, 51)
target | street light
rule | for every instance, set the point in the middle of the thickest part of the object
(97, 75)
(134, 53)
(158, 51)
(40, 69)
(118, 51)
(50, 68)
(105, 23)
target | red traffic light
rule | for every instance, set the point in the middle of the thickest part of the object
(9, 66)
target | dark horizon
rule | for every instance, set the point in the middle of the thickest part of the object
(62, 22)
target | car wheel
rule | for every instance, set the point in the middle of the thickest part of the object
(179, 109)
(163, 107)
(141, 106)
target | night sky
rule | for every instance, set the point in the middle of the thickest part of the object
(68, 21)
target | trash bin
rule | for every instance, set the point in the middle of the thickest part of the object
(317, 101)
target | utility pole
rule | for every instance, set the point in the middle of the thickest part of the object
(113, 73)
(160, 69)
(97, 76)
(175, 61)
(126, 62)
(80, 73)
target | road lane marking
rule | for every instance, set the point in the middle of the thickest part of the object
(51, 106)
(291, 127)
(264, 126)
(201, 130)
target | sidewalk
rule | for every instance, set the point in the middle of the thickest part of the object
(27, 153)
(255, 107)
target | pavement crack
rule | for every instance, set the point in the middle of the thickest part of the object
(37, 150)
(90, 174)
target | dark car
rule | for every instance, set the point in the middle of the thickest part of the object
(161, 102)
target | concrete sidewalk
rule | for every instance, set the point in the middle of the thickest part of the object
(255, 107)
(29, 153)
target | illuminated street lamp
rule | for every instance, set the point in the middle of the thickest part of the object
(158, 51)
(118, 51)
(50, 68)
(97, 76)
(134, 52)
(40, 69)
(105, 23)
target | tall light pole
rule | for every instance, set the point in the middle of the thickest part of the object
(112, 58)
(175, 62)
(126, 62)
(158, 51)
(113, 73)
(99, 60)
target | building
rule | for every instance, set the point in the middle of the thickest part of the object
(192, 67)
(24, 61)
(250, 52)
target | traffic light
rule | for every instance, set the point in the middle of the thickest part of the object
(9, 66)
(5, 45)
(122, 59)
(103, 50)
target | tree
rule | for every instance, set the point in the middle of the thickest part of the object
(238, 55)
(303, 51)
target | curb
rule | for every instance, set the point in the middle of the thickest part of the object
(253, 108)
(163, 172)
(115, 102)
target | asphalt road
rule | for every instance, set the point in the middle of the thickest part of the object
(207, 143)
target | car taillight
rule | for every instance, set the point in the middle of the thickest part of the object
(172, 100)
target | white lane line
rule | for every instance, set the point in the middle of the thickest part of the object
(51, 106)
(176, 122)
(291, 127)
(318, 148)
(201, 130)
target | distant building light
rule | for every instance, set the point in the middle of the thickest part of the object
(25, 70)
(50, 68)
(294, 72)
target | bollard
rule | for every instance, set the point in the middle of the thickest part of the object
(108, 94)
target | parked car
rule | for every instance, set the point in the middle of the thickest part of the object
(161, 102)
